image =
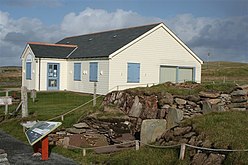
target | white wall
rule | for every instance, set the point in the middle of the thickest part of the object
(85, 85)
(158, 48)
(30, 84)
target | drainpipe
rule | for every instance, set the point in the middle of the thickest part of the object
(39, 74)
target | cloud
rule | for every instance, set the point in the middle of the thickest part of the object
(225, 39)
(92, 20)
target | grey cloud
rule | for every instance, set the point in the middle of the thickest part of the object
(30, 3)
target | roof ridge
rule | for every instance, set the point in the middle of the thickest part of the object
(49, 44)
(113, 30)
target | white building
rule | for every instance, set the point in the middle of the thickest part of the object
(116, 59)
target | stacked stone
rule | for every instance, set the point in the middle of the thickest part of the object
(187, 134)
(3, 158)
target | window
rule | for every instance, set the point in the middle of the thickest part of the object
(77, 71)
(28, 70)
(93, 71)
(133, 72)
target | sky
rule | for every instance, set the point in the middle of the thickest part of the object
(215, 27)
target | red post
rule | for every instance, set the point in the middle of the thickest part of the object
(44, 148)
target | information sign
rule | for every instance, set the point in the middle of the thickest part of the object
(40, 130)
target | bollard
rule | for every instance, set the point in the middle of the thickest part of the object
(182, 151)
(136, 145)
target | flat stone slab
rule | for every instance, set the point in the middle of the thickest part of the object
(151, 129)
(20, 153)
(81, 125)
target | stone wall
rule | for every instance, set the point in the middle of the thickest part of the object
(175, 108)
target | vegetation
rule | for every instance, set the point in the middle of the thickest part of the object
(10, 77)
(219, 72)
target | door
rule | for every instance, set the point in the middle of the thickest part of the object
(168, 74)
(185, 74)
(52, 76)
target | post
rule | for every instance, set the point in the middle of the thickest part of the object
(24, 96)
(84, 152)
(44, 148)
(136, 145)
(94, 96)
(6, 103)
(182, 151)
(33, 95)
(62, 117)
(224, 79)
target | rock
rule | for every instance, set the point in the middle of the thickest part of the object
(75, 130)
(151, 129)
(238, 99)
(174, 117)
(192, 140)
(167, 98)
(239, 93)
(88, 140)
(199, 159)
(168, 136)
(211, 95)
(125, 137)
(214, 159)
(239, 109)
(207, 143)
(238, 105)
(161, 113)
(180, 101)
(166, 106)
(182, 130)
(206, 107)
(136, 108)
(2, 151)
(81, 125)
(150, 107)
(193, 98)
(192, 103)
(66, 142)
(214, 101)
(189, 135)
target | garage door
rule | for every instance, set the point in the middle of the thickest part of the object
(168, 74)
(185, 74)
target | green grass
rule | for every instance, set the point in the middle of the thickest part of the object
(226, 130)
(49, 105)
(225, 71)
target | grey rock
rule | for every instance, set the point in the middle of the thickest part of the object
(151, 129)
(167, 98)
(239, 93)
(2, 151)
(81, 125)
(192, 103)
(189, 135)
(136, 108)
(166, 106)
(174, 117)
(238, 99)
(199, 159)
(180, 101)
(239, 109)
(193, 98)
(182, 130)
(211, 95)
(214, 101)
(161, 113)
(206, 107)
(75, 130)
(214, 159)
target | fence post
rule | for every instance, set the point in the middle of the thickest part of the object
(62, 117)
(137, 145)
(84, 152)
(6, 104)
(182, 151)
(24, 96)
(94, 95)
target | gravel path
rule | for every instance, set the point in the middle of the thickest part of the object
(20, 153)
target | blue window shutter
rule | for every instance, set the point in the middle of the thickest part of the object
(93, 71)
(28, 70)
(133, 74)
(77, 71)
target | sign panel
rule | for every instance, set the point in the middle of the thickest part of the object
(40, 130)
(7, 100)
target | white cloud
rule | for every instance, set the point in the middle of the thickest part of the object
(92, 20)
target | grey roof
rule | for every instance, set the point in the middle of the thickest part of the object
(103, 44)
(51, 50)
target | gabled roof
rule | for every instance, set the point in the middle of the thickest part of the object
(45, 50)
(103, 44)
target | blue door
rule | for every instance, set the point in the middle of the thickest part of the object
(52, 76)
